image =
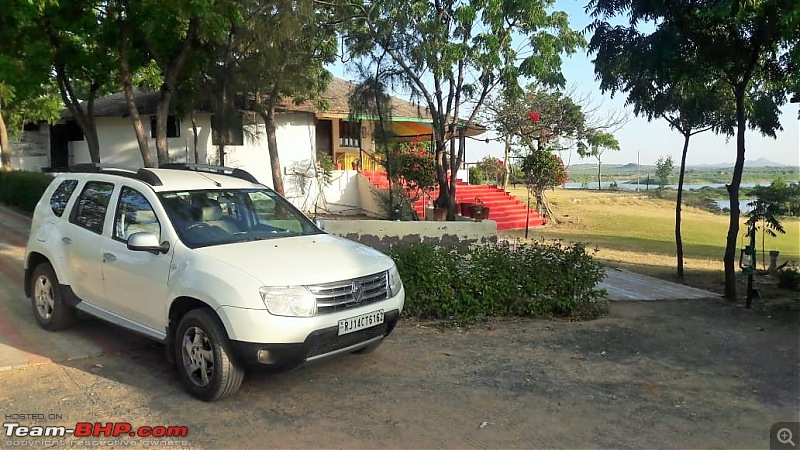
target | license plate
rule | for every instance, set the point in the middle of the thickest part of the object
(356, 323)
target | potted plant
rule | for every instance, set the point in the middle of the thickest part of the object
(478, 210)
(465, 208)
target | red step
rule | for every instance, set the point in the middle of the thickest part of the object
(506, 210)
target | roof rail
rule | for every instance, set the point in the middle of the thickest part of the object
(222, 170)
(144, 175)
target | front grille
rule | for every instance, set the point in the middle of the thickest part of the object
(341, 295)
(328, 341)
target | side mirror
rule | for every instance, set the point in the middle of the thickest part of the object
(320, 224)
(147, 242)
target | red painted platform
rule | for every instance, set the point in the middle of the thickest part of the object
(505, 209)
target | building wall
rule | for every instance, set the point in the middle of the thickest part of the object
(32, 150)
(343, 195)
(295, 133)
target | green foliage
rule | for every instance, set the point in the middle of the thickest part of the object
(23, 189)
(325, 169)
(664, 168)
(412, 167)
(696, 48)
(388, 203)
(557, 117)
(475, 176)
(538, 279)
(777, 199)
(452, 55)
(492, 169)
(789, 278)
(542, 169)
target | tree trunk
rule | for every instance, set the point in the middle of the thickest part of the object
(5, 146)
(195, 137)
(678, 201)
(83, 118)
(92, 141)
(455, 162)
(127, 87)
(733, 195)
(162, 112)
(506, 165)
(272, 145)
(171, 74)
(443, 199)
(598, 174)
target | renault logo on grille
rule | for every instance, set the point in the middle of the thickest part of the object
(357, 292)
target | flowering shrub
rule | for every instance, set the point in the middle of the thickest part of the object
(542, 170)
(492, 169)
(412, 166)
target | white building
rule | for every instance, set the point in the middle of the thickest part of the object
(303, 132)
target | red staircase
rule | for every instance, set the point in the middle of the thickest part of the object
(506, 210)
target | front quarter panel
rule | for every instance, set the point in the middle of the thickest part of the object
(212, 281)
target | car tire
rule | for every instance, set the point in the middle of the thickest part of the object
(368, 349)
(204, 358)
(47, 301)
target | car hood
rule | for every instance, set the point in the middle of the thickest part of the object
(301, 260)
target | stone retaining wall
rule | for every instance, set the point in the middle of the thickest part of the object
(380, 234)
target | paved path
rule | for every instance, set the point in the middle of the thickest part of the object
(624, 285)
(23, 343)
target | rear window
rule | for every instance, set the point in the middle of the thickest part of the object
(61, 196)
(90, 209)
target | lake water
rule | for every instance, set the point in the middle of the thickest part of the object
(721, 204)
(643, 187)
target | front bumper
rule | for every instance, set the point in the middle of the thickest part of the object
(319, 344)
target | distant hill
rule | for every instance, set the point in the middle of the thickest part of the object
(760, 162)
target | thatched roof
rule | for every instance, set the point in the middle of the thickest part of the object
(336, 96)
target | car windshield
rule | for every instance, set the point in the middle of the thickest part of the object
(215, 217)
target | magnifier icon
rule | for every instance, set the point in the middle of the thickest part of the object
(784, 436)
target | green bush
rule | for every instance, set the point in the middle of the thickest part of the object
(788, 278)
(23, 190)
(539, 279)
(475, 176)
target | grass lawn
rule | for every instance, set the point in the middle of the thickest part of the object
(635, 232)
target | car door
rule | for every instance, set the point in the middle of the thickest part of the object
(136, 281)
(83, 241)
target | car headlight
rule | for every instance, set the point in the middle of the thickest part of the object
(395, 283)
(296, 301)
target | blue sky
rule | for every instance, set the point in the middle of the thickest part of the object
(651, 139)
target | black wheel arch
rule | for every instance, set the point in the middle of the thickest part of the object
(33, 261)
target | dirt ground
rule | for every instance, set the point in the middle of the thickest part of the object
(658, 374)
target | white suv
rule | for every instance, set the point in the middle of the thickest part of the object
(223, 270)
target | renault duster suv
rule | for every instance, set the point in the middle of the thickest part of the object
(221, 269)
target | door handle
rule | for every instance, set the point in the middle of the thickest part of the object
(109, 257)
(66, 240)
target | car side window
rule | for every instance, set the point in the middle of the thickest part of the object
(61, 196)
(90, 209)
(134, 215)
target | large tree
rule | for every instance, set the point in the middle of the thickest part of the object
(750, 47)
(672, 92)
(596, 143)
(454, 53)
(280, 50)
(27, 91)
(82, 64)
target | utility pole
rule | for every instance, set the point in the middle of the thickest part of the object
(637, 170)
